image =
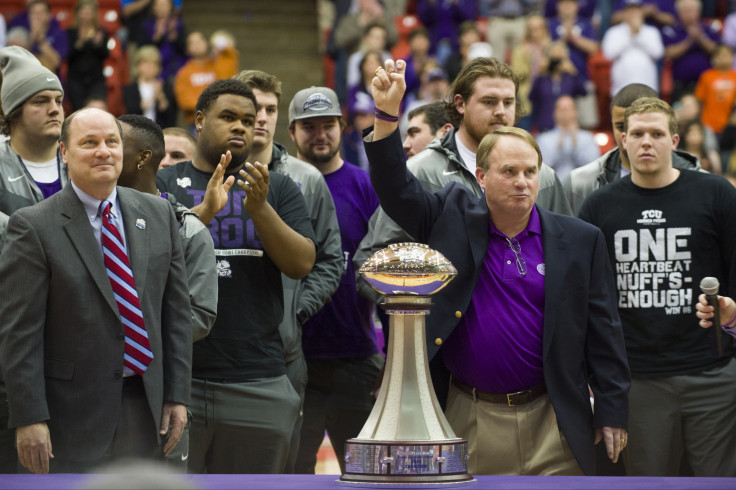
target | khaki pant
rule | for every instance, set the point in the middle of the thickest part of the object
(504, 35)
(503, 440)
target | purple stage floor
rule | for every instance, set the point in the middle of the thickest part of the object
(324, 482)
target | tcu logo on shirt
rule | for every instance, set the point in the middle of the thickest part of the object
(229, 230)
(651, 217)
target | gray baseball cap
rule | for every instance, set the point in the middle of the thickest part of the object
(314, 102)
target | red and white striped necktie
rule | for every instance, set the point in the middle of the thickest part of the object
(138, 353)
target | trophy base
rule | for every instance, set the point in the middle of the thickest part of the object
(406, 462)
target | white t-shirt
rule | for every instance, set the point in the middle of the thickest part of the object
(467, 156)
(45, 172)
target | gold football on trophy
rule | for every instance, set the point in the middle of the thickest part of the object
(408, 268)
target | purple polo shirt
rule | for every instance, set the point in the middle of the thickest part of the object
(497, 346)
(689, 66)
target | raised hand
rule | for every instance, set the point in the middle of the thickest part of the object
(388, 86)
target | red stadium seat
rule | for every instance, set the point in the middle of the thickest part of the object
(117, 75)
(599, 71)
(404, 25)
(10, 8)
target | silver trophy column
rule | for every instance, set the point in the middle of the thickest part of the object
(407, 438)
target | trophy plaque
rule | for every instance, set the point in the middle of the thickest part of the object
(407, 438)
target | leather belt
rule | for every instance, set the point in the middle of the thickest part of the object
(510, 399)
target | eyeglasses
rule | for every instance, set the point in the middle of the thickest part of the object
(516, 248)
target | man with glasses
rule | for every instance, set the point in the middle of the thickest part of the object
(485, 97)
(529, 323)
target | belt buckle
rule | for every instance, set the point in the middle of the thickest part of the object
(509, 401)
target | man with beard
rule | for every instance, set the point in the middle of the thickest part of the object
(339, 342)
(243, 406)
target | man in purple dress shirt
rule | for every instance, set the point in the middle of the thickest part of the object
(339, 343)
(530, 322)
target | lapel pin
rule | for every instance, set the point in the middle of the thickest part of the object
(140, 223)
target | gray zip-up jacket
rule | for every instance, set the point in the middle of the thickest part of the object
(435, 167)
(582, 181)
(199, 255)
(303, 298)
(17, 188)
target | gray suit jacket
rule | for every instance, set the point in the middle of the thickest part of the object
(61, 338)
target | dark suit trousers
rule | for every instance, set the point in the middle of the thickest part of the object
(8, 454)
(135, 437)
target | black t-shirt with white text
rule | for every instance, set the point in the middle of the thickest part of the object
(662, 242)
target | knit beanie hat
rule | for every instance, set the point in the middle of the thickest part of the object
(23, 76)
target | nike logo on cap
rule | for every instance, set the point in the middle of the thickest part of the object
(50, 79)
(13, 179)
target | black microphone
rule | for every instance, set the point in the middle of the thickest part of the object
(709, 286)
